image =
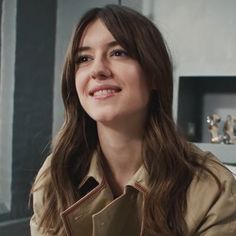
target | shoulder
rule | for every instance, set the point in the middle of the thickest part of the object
(211, 198)
(216, 179)
(40, 181)
(42, 174)
(38, 193)
(46, 164)
(214, 166)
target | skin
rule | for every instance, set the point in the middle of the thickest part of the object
(112, 89)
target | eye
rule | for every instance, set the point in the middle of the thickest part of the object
(82, 59)
(119, 53)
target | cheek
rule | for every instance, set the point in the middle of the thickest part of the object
(77, 86)
(80, 84)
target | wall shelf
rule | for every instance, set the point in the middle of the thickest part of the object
(200, 96)
(226, 153)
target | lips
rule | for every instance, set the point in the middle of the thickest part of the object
(104, 90)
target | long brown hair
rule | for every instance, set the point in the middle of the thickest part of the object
(169, 159)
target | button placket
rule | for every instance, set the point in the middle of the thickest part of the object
(110, 219)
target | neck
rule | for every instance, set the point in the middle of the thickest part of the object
(122, 150)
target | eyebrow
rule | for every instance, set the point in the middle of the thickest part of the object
(108, 45)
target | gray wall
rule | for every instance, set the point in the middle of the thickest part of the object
(26, 99)
(8, 44)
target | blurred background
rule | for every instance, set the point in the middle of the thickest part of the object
(201, 36)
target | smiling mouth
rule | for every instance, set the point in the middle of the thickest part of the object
(104, 92)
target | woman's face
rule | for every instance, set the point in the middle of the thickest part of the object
(111, 86)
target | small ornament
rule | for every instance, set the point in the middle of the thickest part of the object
(229, 130)
(213, 127)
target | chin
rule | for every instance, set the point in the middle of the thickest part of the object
(102, 118)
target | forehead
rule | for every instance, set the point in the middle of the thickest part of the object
(96, 33)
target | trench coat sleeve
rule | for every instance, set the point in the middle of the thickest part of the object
(221, 217)
(38, 203)
(214, 212)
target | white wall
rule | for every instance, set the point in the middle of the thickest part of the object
(201, 35)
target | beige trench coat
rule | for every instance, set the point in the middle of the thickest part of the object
(97, 214)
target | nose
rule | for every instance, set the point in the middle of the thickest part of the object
(100, 69)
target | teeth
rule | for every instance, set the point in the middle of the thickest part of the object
(104, 92)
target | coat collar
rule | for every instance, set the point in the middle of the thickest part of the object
(95, 172)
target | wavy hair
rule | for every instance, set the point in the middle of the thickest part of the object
(168, 158)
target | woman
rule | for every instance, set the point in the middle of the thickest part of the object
(118, 165)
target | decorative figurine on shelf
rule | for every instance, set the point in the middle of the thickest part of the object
(229, 130)
(213, 127)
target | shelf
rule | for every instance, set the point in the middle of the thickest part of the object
(200, 96)
(224, 152)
